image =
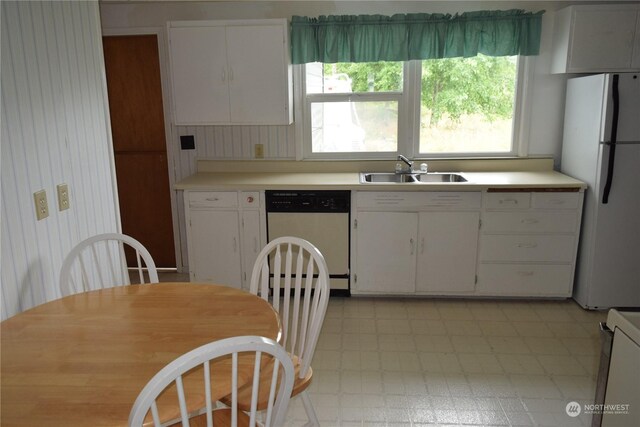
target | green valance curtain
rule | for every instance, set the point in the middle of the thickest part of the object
(401, 37)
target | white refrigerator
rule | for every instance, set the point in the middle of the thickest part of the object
(601, 146)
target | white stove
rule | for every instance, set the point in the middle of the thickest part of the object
(619, 389)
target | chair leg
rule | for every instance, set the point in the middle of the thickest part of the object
(308, 407)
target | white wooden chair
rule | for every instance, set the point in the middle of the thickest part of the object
(278, 387)
(294, 267)
(99, 262)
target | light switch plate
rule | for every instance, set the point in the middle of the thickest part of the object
(63, 197)
(40, 201)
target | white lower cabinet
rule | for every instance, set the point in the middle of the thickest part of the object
(524, 279)
(527, 248)
(489, 244)
(251, 242)
(386, 259)
(214, 249)
(415, 243)
(224, 236)
(447, 249)
(528, 243)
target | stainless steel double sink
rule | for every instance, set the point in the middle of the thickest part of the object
(406, 178)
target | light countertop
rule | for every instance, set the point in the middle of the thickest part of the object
(477, 181)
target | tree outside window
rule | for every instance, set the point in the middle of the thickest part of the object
(466, 106)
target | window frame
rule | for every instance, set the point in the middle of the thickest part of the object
(409, 104)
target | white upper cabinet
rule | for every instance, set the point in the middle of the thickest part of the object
(230, 72)
(199, 75)
(596, 38)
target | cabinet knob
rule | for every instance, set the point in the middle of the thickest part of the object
(250, 199)
(509, 201)
(525, 273)
(527, 245)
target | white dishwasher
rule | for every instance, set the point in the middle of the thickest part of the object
(322, 218)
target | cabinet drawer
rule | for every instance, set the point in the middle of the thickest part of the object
(417, 200)
(217, 199)
(507, 200)
(250, 199)
(453, 199)
(555, 200)
(530, 248)
(524, 280)
(530, 222)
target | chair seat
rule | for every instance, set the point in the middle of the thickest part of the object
(244, 393)
(221, 418)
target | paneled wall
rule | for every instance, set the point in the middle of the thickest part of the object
(542, 132)
(55, 129)
(234, 142)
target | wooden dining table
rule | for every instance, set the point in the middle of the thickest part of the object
(83, 359)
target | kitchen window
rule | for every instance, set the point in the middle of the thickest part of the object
(353, 107)
(421, 84)
(450, 107)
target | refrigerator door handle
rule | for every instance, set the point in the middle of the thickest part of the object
(614, 136)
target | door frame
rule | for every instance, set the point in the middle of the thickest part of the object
(169, 130)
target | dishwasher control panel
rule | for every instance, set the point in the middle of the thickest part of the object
(308, 201)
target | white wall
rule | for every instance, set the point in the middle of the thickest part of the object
(55, 129)
(543, 135)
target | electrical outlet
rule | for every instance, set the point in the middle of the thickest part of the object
(40, 201)
(63, 197)
(259, 151)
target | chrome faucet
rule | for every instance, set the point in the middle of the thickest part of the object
(408, 162)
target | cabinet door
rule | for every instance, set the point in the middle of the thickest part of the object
(447, 251)
(250, 244)
(214, 249)
(258, 74)
(386, 252)
(635, 60)
(602, 40)
(199, 76)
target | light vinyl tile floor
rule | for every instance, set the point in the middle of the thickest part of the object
(427, 362)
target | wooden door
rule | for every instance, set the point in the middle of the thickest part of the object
(137, 123)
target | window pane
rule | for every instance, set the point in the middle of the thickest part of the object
(354, 77)
(467, 105)
(354, 126)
